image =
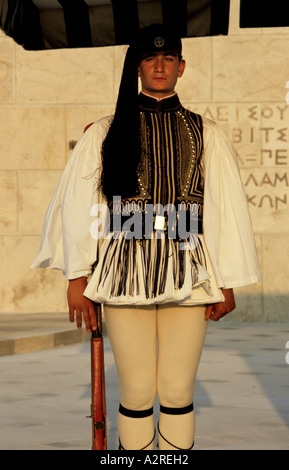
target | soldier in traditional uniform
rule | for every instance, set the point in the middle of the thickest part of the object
(164, 182)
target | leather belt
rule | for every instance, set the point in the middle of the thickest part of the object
(179, 225)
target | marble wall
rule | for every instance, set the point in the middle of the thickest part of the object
(47, 98)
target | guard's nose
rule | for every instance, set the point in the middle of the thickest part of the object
(159, 64)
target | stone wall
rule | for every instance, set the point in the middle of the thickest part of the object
(47, 98)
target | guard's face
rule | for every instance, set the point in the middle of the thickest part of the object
(159, 73)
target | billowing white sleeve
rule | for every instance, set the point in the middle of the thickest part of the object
(228, 232)
(66, 243)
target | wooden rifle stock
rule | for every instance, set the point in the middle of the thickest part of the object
(98, 398)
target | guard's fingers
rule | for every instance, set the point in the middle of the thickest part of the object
(220, 314)
(71, 314)
(87, 320)
(208, 312)
(78, 318)
(216, 316)
(92, 316)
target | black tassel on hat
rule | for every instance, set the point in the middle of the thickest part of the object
(121, 149)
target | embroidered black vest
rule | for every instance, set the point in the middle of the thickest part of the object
(171, 167)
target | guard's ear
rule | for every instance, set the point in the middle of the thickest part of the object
(182, 67)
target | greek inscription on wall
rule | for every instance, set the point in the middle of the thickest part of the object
(268, 190)
(260, 134)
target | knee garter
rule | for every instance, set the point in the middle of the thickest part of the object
(175, 411)
(136, 414)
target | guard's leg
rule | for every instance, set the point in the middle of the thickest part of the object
(181, 335)
(132, 334)
(142, 421)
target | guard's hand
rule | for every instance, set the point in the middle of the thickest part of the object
(79, 305)
(216, 311)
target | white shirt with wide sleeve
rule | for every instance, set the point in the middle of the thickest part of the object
(66, 243)
(227, 227)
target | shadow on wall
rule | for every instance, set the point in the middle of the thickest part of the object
(259, 308)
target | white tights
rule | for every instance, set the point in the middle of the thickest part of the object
(157, 350)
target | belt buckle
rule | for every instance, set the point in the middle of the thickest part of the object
(160, 222)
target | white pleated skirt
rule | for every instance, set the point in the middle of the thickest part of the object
(153, 271)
